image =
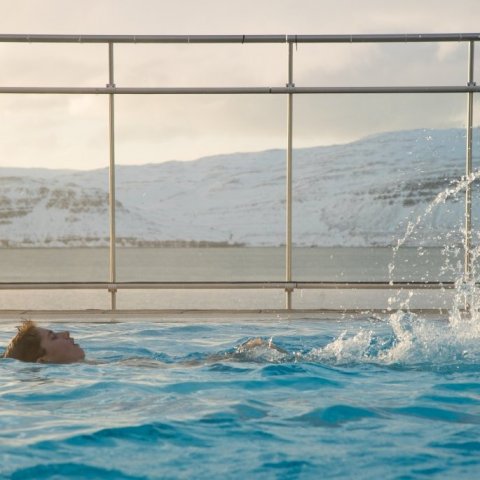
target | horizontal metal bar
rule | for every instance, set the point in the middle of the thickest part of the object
(134, 285)
(221, 285)
(141, 285)
(237, 90)
(282, 38)
(46, 38)
(385, 38)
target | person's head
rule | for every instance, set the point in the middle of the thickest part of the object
(36, 344)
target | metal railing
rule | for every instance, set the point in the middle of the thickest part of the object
(290, 90)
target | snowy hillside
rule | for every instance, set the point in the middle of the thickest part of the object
(356, 194)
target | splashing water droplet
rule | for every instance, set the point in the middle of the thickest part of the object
(464, 295)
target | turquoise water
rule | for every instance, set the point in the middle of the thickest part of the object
(370, 397)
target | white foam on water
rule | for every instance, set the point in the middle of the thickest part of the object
(406, 339)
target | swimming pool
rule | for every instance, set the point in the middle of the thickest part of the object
(365, 397)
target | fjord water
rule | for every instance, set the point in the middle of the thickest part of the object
(219, 264)
(231, 264)
(396, 396)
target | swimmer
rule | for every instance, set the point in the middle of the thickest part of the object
(36, 344)
(40, 345)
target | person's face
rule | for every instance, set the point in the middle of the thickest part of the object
(59, 347)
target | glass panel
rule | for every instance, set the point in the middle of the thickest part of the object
(355, 202)
(215, 218)
(53, 204)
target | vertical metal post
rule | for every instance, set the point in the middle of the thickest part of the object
(111, 119)
(468, 169)
(288, 243)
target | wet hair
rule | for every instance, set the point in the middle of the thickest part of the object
(26, 344)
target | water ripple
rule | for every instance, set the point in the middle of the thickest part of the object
(438, 414)
(151, 433)
(71, 470)
(334, 416)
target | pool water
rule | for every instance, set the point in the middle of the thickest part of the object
(366, 397)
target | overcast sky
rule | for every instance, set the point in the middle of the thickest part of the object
(59, 131)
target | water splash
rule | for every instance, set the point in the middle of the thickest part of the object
(451, 192)
(405, 339)
(465, 289)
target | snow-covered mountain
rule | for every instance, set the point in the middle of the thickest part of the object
(355, 194)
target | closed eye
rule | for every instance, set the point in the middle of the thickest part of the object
(52, 335)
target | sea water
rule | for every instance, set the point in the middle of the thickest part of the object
(228, 264)
(394, 396)
(223, 264)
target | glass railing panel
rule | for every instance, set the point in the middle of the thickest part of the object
(192, 217)
(54, 189)
(389, 206)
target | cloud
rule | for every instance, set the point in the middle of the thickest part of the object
(71, 131)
